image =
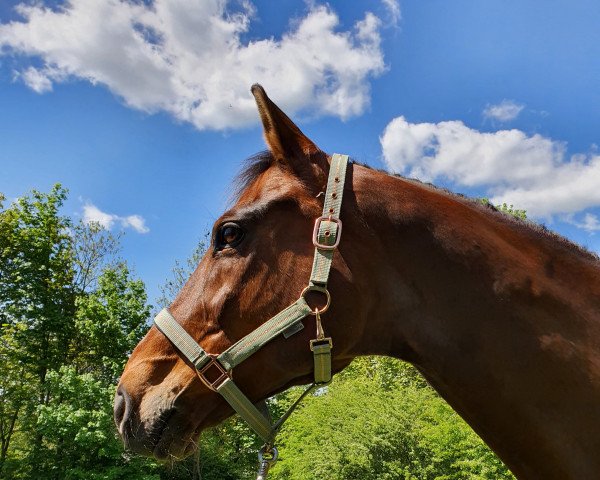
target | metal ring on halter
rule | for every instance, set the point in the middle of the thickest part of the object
(316, 288)
(268, 454)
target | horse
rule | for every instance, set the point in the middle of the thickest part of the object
(501, 317)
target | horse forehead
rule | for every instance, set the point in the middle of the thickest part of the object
(273, 183)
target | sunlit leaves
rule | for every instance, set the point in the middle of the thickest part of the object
(70, 312)
(380, 420)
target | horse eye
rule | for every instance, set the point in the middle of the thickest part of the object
(230, 235)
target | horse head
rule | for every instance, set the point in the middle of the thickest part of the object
(483, 305)
(258, 263)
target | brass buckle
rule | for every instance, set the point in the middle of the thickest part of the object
(320, 341)
(338, 235)
(223, 374)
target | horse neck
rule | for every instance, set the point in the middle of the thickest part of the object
(485, 307)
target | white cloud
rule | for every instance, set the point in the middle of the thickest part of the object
(136, 222)
(188, 57)
(393, 9)
(36, 80)
(590, 222)
(531, 172)
(91, 213)
(504, 111)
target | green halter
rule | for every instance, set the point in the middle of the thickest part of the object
(326, 238)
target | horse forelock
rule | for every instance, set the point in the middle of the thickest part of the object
(253, 167)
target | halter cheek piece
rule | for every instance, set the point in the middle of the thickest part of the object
(215, 370)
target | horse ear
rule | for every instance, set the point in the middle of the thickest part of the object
(284, 139)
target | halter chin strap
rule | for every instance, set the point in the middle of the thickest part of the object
(215, 370)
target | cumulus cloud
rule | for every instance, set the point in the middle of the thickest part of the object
(590, 222)
(393, 10)
(504, 111)
(531, 172)
(91, 213)
(190, 58)
(36, 80)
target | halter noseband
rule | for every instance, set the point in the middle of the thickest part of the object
(326, 238)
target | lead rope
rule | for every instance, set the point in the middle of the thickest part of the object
(267, 456)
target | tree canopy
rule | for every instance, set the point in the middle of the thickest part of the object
(70, 313)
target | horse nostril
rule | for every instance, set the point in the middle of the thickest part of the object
(122, 408)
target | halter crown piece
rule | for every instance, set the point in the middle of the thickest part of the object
(215, 370)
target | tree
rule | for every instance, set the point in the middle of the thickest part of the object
(181, 272)
(70, 313)
(94, 248)
(36, 288)
(109, 323)
(37, 303)
(380, 420)
(80, 439)
(16, 391)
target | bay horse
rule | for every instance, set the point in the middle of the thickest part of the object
(501, 317)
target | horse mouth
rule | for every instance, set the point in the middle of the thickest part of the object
(167, 449)
(173, 443)
(167, 436)
(163, 426)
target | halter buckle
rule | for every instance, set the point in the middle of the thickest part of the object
(320, 341)
(221, 377)
(338, 234)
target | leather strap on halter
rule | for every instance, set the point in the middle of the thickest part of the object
(215, 370)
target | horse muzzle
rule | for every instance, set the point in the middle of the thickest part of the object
(165, 432)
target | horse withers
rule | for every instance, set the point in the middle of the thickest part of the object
(502, 318)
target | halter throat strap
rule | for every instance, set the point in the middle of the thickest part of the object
(215, 370)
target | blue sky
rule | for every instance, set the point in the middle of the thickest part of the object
(143, 111)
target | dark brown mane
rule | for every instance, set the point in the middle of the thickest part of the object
(523, 224)
(527, 225)
(253, 167)
(257, 164)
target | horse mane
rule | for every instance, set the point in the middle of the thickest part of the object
(257, 164)
(527, 225)
(252, 168)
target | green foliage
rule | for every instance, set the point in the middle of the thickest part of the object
(80, 441)
(110, 321)
(181, 272)
(228, 452)
(70, 313)
(36, 307)
(505, 208)
(510, 210)
(36, 291)
(380, 420)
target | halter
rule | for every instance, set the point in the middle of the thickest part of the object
(215, 371)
